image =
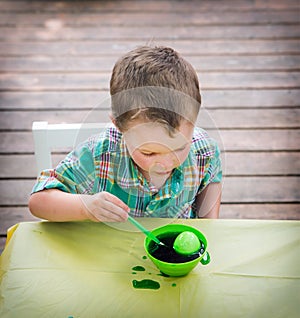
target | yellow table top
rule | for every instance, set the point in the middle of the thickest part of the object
(87, 270)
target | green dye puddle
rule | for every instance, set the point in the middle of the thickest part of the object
(174, 285)
(145, 284)
(138, 268)
(144, 257)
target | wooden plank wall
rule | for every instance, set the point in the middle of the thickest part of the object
(55, 64)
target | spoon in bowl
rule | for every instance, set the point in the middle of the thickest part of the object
(145, 231)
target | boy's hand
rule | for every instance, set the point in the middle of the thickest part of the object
(105, 207)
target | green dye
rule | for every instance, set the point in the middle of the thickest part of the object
(138, 268)
(144, 257)
(145, 284)
(174, 285)
(166, 254)
(133, 273)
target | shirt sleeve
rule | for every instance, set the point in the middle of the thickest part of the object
(213, 168)
(75, 174)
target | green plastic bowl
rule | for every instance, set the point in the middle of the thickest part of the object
(177, 269)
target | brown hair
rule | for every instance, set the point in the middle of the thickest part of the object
(154, 83)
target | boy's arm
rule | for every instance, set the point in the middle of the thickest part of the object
(209, 200)
(56, 205)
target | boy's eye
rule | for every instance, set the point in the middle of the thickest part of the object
(148, 154)
(181, 149)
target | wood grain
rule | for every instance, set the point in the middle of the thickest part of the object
(94, 81)
(146, 33)
(55, 64)
(261, 211)
(224, 63)
(207, 119)
(80, 99)
(185, 46)
(145, 6)
(2, 243)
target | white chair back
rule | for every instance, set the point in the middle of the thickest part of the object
(48, 136)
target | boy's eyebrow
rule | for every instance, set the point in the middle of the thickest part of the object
(181, 147)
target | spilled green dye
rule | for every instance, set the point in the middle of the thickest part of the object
(174, 285)
(138, 268)
(144, 257)
(145, 284)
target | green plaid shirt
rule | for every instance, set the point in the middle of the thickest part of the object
(102, 163)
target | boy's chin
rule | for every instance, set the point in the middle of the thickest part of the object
(158, 180)
(161, 174)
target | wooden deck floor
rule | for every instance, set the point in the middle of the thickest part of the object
(55, 63)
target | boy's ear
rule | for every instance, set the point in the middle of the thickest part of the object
(113, 120)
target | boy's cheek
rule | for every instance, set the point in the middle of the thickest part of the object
(141, 160)
(183, 155)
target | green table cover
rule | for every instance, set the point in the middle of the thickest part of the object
(84, 269)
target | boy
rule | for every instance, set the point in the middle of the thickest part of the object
(152, 162)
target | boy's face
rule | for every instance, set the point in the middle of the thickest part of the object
(155, 152)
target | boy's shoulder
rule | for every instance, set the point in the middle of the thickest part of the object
(202, 143)
(108, 141)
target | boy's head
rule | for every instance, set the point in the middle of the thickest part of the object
(154, 84)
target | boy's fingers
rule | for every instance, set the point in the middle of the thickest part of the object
(115, 200)
(108, 216)
(114, 210)
(105, 207)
